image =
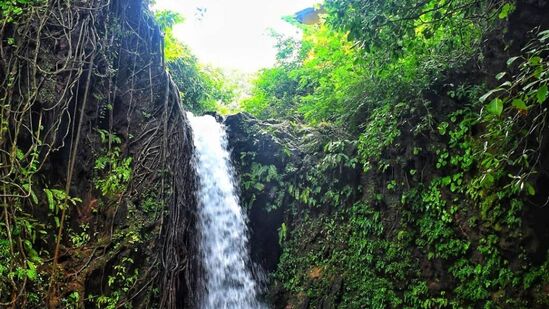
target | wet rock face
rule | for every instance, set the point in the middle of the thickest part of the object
(245, 137)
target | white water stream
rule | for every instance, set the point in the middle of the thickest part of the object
(224, 235)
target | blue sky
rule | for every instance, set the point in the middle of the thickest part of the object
(233, 34)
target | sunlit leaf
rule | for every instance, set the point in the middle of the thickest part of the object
(512, 60)
(506, 10)
(49, 196)
(495, 107)
(519, 104)
(535, 60)
(542, 94)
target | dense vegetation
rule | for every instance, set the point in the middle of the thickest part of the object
(96, 188)
(202, 88)
(409, 168)
(421, 178)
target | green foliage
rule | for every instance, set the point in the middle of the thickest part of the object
(282, 233)
(506, 9)
(26, 271)
(323, 180)
(11, 9)
(72, 301)
(391, 24)
(58, 200)
(319, 178)
(380, 132)
(172, 48)
(447, 178)
(529, 87)
(273, 94)
(151, 204)
(113, 170)
(167, 19)
(19, 230)
(79, 240)
(329, 77)
(521, 99)
(330, 69)
(202, 88)
(121, 282)
(359, 260)
(312, 80)
(257, 177)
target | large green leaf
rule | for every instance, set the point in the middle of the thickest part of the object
(506, 10)
(496, 106)
(519, 104)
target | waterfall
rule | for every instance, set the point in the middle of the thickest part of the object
(222, 225)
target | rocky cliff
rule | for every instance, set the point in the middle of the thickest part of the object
(97, 188)
(423, 210)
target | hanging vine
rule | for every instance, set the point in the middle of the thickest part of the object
(80, 80)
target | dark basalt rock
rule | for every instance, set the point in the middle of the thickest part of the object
(245, 136)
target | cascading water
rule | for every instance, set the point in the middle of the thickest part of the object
(224, 235)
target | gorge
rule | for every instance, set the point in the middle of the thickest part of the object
(395, 156)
